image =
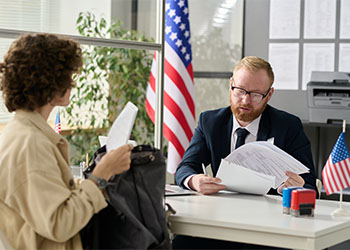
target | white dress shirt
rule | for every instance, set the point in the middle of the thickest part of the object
(252, 128)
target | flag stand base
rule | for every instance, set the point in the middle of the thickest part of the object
(340, 212)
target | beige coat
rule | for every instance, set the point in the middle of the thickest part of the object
(40, 205)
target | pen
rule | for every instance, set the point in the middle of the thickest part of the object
(204, 170)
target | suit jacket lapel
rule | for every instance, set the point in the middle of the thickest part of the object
(222, 136)
(264, 126)
(227, 129)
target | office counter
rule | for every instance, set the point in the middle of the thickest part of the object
(257, 220)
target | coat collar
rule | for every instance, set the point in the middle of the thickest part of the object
(265, 125)
(38, 121)
(227, 127)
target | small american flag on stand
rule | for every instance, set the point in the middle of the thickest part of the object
(58, 123)
(179, 109)
(336, 172)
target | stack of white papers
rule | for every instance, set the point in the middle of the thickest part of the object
(256, 167)
(175, 190)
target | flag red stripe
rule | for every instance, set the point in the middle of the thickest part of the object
(336, 172)
(178, 81)
(150, 110)
(178, 114)
(343, 174)
(347, 166)
(332, 177)
(190, 70)
(327, 170)
(325, 179)
(173, 108)
(152, 82)
(330, 188)
(172, 137)
(168, 133)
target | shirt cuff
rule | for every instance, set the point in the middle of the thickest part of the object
(186, 182)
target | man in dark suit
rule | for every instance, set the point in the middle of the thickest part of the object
(249, 118)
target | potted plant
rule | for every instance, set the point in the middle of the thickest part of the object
(110, 77)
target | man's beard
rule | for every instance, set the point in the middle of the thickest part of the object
(245, 116)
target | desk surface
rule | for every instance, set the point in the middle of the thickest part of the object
(257, 220)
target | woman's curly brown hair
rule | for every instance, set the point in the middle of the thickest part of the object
(36, 68)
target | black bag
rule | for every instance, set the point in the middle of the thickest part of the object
(135, 215)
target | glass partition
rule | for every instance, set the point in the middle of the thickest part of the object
(211, 94)
(216, 34)
(60, 16)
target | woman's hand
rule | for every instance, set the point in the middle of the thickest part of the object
(114, 162)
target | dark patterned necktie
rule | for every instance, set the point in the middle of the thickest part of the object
(241, 135)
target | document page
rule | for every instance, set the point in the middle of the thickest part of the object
(120, 131)
(265, 158)
(175, 190)
(240, 179)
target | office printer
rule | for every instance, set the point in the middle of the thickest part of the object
(329, 97)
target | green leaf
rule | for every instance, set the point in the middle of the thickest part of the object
(125, 68)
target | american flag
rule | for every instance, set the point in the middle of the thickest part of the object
(179, 110)
(336, 172)
(58, 123)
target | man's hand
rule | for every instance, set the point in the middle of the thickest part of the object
(205, 184)
(294, 180)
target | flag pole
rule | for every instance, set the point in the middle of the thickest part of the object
(341, 212)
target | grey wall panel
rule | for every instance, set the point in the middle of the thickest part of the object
(256, 28)
(256, 42)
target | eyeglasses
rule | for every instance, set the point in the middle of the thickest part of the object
(255, 97)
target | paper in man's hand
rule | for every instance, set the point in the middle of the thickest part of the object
(265, 158)
(240, 179)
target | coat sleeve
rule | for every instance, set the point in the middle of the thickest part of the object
(196, 154)
(55, 209)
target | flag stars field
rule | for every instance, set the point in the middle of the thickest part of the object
(336, 172)
(171, 13)
(177, 19)
(167, 30)
(181, 3)
(173, 36)
(178, 43)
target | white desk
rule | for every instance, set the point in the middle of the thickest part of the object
(257, 220)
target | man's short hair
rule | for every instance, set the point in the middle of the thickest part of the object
(254, 63)
(37, 68)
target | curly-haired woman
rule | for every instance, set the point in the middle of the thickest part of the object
(41, 205)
